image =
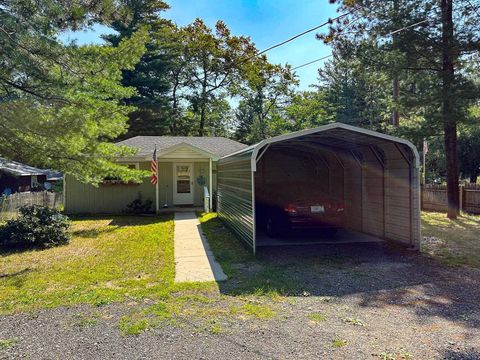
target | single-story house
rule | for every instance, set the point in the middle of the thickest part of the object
(186, 166)
(374, 176)
(17, 177)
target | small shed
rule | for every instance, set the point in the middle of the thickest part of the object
(18, 177)
(376, 176)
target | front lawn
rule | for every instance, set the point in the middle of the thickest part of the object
(108, 259)
(456, 242)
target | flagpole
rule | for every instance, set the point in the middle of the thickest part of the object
(157, 205)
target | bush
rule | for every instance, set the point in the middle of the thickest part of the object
(36, 226)
(138, 206)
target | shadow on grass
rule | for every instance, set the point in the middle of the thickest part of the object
(18, 273)
(91, 233)
(378, 274)
(119, 221)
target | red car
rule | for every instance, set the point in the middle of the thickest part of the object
(298, 206)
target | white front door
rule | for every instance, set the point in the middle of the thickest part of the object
(182, 183)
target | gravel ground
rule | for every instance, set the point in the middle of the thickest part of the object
(375, 302)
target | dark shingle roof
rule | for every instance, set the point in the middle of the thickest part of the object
(218, 146)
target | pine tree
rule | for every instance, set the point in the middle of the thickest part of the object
(427, 43)
(60, 104)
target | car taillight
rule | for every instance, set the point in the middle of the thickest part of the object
(291, 209)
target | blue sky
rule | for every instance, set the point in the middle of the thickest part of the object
(266, 21)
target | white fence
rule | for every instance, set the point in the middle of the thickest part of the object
(9, 205)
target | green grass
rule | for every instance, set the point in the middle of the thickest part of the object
(108, 260)
(458, 239)
(267, 280)
(130, 258)
(227, 248)
(317, 317)
(260, 311)
(215, 329)
(84, 320)
(338, 343)
(133, 326)
(7, 343)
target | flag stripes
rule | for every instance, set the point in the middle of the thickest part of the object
(154, 168)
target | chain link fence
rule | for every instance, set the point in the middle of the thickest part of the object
(9, 205)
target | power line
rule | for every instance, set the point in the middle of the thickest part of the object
(329, 21)
(313, 61)
(473, 8)
(390, 33)
(407, 27)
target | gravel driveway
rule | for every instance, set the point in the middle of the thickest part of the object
(357, 302)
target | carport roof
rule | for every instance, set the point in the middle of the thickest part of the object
(337, 135)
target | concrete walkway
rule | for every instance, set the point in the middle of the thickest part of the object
(193, 259)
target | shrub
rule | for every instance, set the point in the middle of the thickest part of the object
(138, 206)
(36, 226)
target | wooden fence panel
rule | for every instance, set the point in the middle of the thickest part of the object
(434, 198)
(9, 205)
(471, 198)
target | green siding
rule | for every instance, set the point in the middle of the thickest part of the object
(165, 183)
(87, 199)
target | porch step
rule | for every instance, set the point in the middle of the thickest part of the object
(180, 209)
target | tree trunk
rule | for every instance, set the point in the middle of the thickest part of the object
(173, 126)
(396, 83)
(449, 121)
(396, 91)
(201, 129)
(203, 103)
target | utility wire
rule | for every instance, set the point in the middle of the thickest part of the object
(406, 27)
(390, 33)
(311, 62)
(473, 8)
(329, 21)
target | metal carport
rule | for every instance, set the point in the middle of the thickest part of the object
(377, 175)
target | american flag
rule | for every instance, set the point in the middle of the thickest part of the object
(154, 168)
